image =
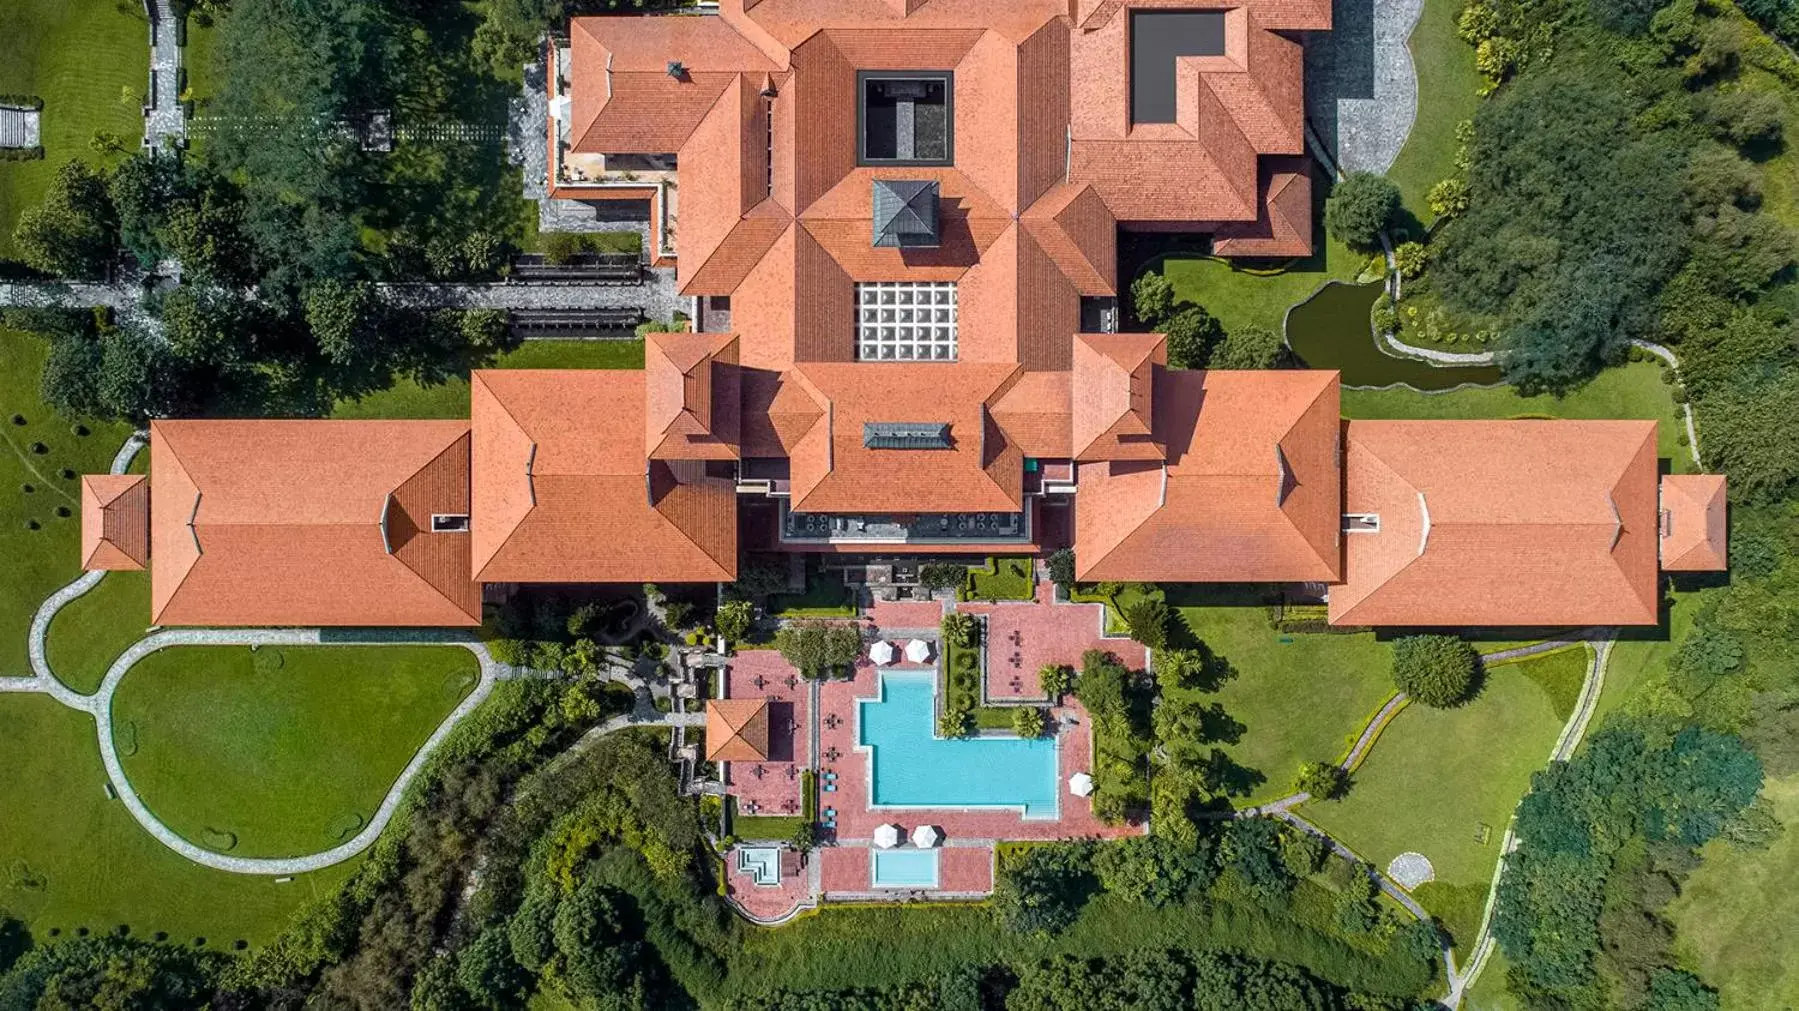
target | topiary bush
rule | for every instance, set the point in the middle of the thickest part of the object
(1359, 207)
(1440, 671)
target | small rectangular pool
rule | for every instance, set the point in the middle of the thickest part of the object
(903, 868)
(914, 768)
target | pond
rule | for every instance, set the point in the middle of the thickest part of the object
(1330, 331)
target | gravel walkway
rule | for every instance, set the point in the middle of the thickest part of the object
(1361, 88)
(165, 124)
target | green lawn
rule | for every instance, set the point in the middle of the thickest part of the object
(1634, 390)
(1446, 96)
(1738, 914)
(1443, 782)
(88, 634)
(1239, 297)
(72, 858)
(1489, 993)
(1116, 604)
(40, 561)
(1300, 697)
(279, 752)
(825, 597)
(407, 399)
(196, 58)
(90, 63)
(1002, 579)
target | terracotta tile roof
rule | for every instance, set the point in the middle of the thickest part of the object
(736, 730)
(115, 521)
(789, 22)
(1114, 383)
(1284, 225)
(1036, 413)
(624, 99)
(1695, 527)
(1250, 493)
(692, 400)
(834, 471)
(1073, 226)
(1500, 523)
(563, 492)
(778, 411)
(309, 523)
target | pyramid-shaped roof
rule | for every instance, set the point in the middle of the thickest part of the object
(1695, 523)
(905, 213)
(115, 521)
(737, 730)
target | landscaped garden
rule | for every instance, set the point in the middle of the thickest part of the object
(1443, 782)
(89, 61)
(449, 399)
(1001, 578)
(279, 751)
(1241, 294)
(826, 596)
(1299, 696)
(74, 860)
(90, 632)
(41, 463)
(1447, 96)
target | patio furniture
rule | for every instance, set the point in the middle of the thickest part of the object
(832, 753)
(760, 681)
(830, 787)
(756, 771)
(888, 836)
(926, 836)
(918, 651)
(881, 652)
(1080, 784)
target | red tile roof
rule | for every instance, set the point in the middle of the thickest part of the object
(692, 399)
(309, 523)
(1283, 227)
(736, 730)
(1695, 527)
(564, 493)
(1250, 492)
(115, 521)
(1500, 523)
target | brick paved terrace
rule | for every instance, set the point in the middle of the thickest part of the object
(771, 788)
(1023, 637)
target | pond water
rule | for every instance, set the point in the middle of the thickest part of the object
(1330, 331)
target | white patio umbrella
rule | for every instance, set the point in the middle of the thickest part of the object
(918, 651)
(888, 836)
(926, 836)
(881, 652)
(1080, 784)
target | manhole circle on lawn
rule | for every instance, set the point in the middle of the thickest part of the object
(1411, 870)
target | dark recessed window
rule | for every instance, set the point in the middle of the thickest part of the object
(905, 117)
(448, 523)
(1157, 39)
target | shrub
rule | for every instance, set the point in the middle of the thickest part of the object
(1061, 567)
(1449, 197)
(1626, 17)
(1152, 298)
(1411, 258)
(942, 575)
(22, 153)
(1028, 722)
(1301, 851)
(1148, 622)
(1055, 680)
(1043, 890)
(1438, 670)
(1746, 117)
(733, 619)
(1249, 347)
(1192, 334)
(1323, 780)
(1359, 208)
(561, 248)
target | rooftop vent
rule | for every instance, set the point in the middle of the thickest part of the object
(905, 435)
(905, 214)
(677, 70)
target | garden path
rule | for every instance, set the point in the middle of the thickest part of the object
(1361, 87)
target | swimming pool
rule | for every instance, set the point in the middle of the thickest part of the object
(762, 864)
(903, 868)
(913, 767)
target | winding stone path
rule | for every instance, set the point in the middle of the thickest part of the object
(1361, 86)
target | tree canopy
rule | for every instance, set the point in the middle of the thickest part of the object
(1437, 670)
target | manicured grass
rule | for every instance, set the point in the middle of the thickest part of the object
(825, 597)
(1438, 777)
(1446, 96)
(1002, 579)
(1633, 390)
(1457, 907)
(1560, 683)
(1300, 697)
(449, 399)
(1738, 914)
(88, 634)
(70, 857)
(196, 58)
(1634, 674)
(759, 827)
(90, 63)
(1239, 297)
(284, 751)
(1117, 603)
(39, 562)
(1489, 993)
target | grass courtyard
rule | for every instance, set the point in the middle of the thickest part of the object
(90, 632)
(449, 399)
(89, 60)
(1738, 914)
(1447, 83)
(279, 752)
(40, 528)
(73, 858)
(1300, 697)
(1443, 782)
(1240, 296)
(1633, 390)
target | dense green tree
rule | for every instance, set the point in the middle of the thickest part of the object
(1323, 780)
(74, 231)
(1142, 981)
(1148, 621)
(110, 973)
(1152, 869)
(142, 190)
(347, 320)
(1746, 118)
(1152, 298)
(1061, 567)
(1626, 17)
(1678, 990)
(734, 618)
(1359, 208)
(598, 958)
(1747, 424)
(1248, 347)
(1192, 334)
(1042, 889)
(1436, 670)
(1250, 851)
(487, 972)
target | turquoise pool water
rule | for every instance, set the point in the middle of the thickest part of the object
(762, 864)
(913, 767)
(903, 868)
